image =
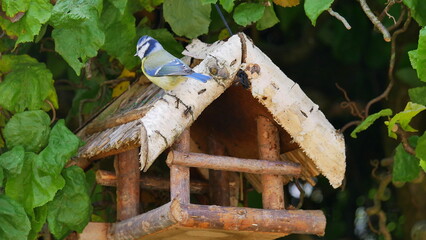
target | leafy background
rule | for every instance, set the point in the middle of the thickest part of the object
(66, 59)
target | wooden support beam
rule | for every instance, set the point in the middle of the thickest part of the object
(269, 149)
(233, 164)
(179, 175)
(107, 178)
(218, 180)
(206, 217)
(149, 222)
(128, 191)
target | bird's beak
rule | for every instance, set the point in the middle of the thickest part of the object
(136, 54)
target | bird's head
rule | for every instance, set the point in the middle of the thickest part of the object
(147, 45)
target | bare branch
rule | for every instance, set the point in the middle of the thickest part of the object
(376, 22)
(391, 66)
(340, 18)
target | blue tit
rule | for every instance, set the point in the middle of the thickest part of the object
(162, 68)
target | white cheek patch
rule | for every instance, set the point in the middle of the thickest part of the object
(142, 50)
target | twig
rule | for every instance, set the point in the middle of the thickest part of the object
(53, 110)
(400, 19)
(349, 124)
(340, 18)
(376, 22)
(391, 66)
(404, 139)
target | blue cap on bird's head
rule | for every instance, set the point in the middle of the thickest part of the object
(147, 45)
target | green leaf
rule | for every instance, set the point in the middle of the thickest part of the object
(12, 7)
(313, 8)
(406, 166)
(176, 13)
(403, 118)
(208, 1)
(370, 120)
(228, 5)
(40, 177)
(1, 177)
(71, 209)
(421, 150)
(13, 160)
(268, 20)
(247, 13)
(29, 129)
(14, 223)
(35, 185)
(418, 95)
(418, 10)
(37, 219)
(26, 85)
(165, 38)
(29, 25)
(63, 144)
(418, 56)
(120, 35)
(150, 5)
(423, 164)
(76, 31)
(119, 4)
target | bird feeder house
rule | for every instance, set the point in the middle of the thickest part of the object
(270, 133)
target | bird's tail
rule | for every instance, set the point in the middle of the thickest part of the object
(199, 77)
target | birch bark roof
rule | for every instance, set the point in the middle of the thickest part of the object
(147, 116)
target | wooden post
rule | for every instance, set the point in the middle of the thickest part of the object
(218, 180)
(179, 175)
(128, 190)
(269, 149)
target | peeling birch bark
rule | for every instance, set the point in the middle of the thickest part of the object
(179, 108)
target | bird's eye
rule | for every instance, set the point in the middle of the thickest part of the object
(139, 48)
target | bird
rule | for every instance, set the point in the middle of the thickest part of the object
(161, 67)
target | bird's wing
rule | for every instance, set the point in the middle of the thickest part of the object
(173, 68)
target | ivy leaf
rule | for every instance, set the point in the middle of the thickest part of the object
(29, 129)
(268, 20)
(120, 34)
(71, 208)
(29, 25)
(76, 31)
(314, 8)
(12, 7)
(406, 166)
(247, 13)
(421, 150)
(165, 38)
(13, 160)
(26, 85)
(176, 13)
(37, 219)
(418, 56)
(40, 177)
(228, 5)
(14, 223)
(370, 120)
(418, 10)
(403, 118)
(418, 95)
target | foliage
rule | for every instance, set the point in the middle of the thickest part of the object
(84, 43)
